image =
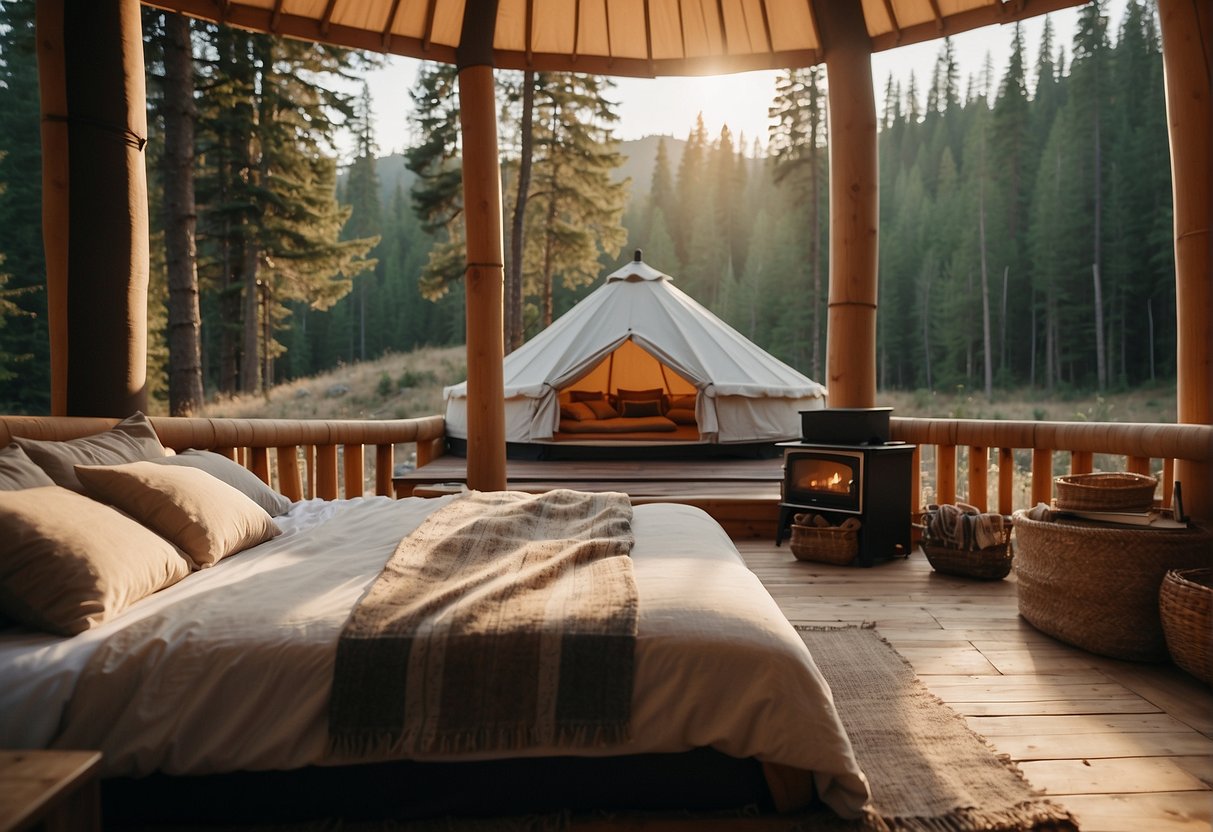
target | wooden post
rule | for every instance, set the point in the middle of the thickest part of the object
(1187, 41)
(854, 206)
(95, 224)
(485, 276)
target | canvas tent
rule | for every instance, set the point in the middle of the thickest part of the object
(639, 331)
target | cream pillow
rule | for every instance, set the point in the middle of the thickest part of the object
(235, 475)
(131, 439)
(207, 518)
(68, 563)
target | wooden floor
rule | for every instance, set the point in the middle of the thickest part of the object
(1126, 747)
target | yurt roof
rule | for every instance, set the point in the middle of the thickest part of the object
(642, 38)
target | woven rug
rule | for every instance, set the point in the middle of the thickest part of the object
(927, 769)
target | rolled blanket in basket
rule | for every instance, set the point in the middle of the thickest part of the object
(962, 526)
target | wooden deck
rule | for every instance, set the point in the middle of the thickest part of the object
(742, 494)
(1127, 747)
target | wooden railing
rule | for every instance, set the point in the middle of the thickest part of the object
(305, 453)
(1145, 448)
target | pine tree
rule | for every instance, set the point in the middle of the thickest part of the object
(576, 207)
(438, 191)
(798, 147)
(268, 193)
(690, 190)
(179, 113)
(24, 335)
(365, 221)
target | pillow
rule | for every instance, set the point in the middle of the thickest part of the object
(18, 471)
(131, 439)
(681, 415)
(577, 411)
(68, 563)
(601, 409)
(635, 410)
(586, 395)
(207, 518)
(234, 474)
(654, 394)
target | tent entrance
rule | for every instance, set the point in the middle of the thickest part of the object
(631, 367)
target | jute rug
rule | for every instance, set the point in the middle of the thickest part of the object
(927, 770)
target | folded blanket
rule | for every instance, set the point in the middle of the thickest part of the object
(505, 621)
(962, 526)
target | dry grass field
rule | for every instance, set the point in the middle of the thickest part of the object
(398, 386)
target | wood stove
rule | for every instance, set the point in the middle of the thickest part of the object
(837, 479)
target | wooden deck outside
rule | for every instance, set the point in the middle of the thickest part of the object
(1127, 747)
(742, 494)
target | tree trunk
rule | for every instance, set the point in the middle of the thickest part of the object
(1101, 358)
(180, 217)
(815, 251)
(250, 361)
(513, 275)
(987, 340)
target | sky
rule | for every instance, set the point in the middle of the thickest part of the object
(669, 106)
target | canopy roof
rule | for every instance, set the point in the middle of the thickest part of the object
(612, 37)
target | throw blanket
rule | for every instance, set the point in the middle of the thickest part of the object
(962, 526)
(505, 621)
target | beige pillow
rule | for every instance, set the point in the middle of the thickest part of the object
(18, 471)
(235, 475)
(207, 518)
(131, 439)
(68, 563)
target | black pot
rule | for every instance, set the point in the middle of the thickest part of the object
(846, 425)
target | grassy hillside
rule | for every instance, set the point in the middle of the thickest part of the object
(392, 387)
(408, 385)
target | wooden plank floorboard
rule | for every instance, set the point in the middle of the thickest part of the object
(1127, 747)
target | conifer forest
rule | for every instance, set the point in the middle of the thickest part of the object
(1025, 213)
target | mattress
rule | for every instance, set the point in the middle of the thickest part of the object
(230, 669)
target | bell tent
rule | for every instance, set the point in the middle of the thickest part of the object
(635, 337)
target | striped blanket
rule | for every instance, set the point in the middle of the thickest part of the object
(505, 621)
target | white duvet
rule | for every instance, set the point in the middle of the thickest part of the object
(230, 669)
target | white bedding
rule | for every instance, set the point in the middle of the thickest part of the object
(230, 669)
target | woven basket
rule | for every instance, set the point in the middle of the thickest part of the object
(1105, 492)
(813, 541)
(1186, 604)
(992, 563)
(1096, 586)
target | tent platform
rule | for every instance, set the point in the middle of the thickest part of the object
(742, 494)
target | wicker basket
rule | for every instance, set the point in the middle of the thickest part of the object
(992, 563)
(814, 539)
(1096, 586)
(1186, 604)
(1115, 491)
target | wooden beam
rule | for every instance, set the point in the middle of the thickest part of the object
(52, 84)
(485, 276)
(854, 206)
(96, 223)
(1187, 41)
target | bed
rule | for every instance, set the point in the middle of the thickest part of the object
(230, 668)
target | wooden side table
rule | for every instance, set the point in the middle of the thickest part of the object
(60, 790)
